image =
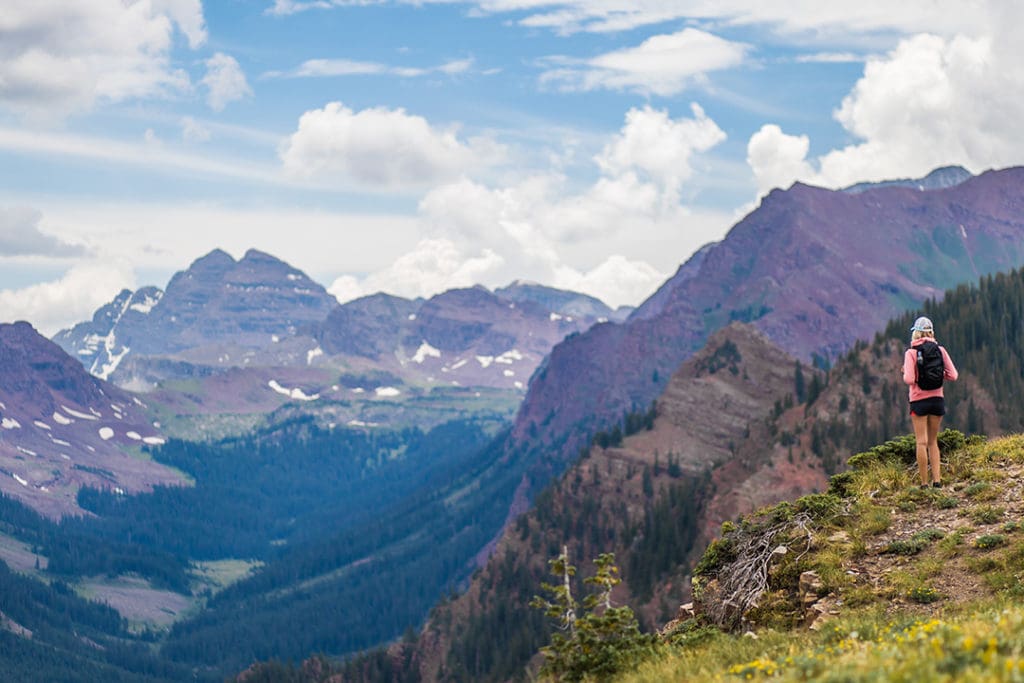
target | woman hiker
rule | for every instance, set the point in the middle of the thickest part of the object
(925, 366)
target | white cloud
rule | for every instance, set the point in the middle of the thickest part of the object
(616, 238)
(931, 101)
(434, 265)
(58, 57)
(322, 68)
(810, 21)
(286, 7)
(379, 147)
(660, 147)
(225, 81)
(777, 159)
(51, 306)
(661, 65)
(20, 236)
(617, 281)
(830, 58)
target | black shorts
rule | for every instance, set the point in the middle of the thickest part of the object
(936, 405)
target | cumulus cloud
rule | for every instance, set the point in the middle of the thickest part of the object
(58, 57)
(616, 238)
(617, 281)
(661, 65)
(380, 147)
(778, 159)
(52, 306)
(433, 266)
(931, 101)
(224, 81)
(660, 147)
(20, 236)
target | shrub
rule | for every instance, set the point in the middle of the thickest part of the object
(986, 514)
(904, 449)
(923, 594)
(989, 541)
(720, 552)
(839, 484)
(976, 489)
(822, 507)
(914, 544)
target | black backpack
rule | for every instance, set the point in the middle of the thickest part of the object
(930, 367)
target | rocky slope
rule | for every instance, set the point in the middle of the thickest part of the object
(878, 579)
(61, 428)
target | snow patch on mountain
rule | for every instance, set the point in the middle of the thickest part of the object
(106, 433)
(60, 419)
(296, 393)
(147, 304)
(425, 351)
(387, 392)
(10, 423)
(313, 353)
(115, 359)
(509, 357)
(80, 415)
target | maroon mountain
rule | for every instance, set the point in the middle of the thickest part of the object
(813, 269)
(216, 304)
(61, 428)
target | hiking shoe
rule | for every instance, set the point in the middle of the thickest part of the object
(936, 484)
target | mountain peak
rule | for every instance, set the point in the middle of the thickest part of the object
(259, 256)
(218, 259)
(938, 179)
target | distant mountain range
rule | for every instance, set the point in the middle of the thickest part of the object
(249, 336)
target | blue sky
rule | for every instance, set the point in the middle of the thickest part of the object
(416, 146)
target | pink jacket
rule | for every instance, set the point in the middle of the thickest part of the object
(910, 371)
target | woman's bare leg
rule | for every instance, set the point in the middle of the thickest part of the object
(934, 422)
(920, 423)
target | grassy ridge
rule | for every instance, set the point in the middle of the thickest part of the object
(921, 584)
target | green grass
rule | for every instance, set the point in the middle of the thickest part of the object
(983, 643)
(900, 625)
